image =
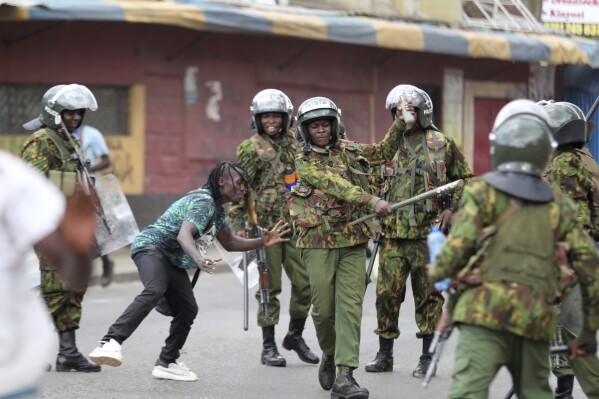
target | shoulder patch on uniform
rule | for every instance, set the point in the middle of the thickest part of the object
(435, 139)
(263, 148)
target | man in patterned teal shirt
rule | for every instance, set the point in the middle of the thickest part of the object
(165, 250)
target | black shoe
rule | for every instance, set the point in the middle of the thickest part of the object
(425, 360)
(270, 354)
(383, 360)
(326, 372)
(69, 358)
(294, 341)
(346, 386)
(107, 271)
(77, 363)
(422, 367)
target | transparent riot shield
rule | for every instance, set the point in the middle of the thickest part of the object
(115, 224)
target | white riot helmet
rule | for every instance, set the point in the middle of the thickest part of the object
(60, 98)
(419, 99)
(318, 108)
(272, 100)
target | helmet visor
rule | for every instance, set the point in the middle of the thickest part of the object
(74, 96)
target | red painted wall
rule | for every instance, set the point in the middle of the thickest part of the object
(182, 142)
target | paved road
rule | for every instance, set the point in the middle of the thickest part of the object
(226, 358)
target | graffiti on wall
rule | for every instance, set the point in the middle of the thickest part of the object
(216, 95)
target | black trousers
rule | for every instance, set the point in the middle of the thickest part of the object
(159, 278)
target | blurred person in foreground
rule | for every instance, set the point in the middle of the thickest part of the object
(502, 255)
(164, 252)
(53, 150)
(34, 213)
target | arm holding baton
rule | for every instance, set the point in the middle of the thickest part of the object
(441, 190)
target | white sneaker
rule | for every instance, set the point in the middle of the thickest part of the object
(107, 353)
(175, 371)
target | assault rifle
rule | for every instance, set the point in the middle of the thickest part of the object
(442, 333)
(441, 190)
(256, 232)
(375, 249)
(87, 181)
(553, 350)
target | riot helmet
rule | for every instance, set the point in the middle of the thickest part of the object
(58, 99)
(568, 123)
(419, 99)
(272, 100)
(521, 146)
(317, 108)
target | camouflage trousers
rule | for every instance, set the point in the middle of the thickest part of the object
(286, 256)
(63, 302)
(398, 259)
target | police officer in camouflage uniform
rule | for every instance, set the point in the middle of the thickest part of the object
(334, 190)
(268, 157)
(501, 254)
(50, 149)
(574, 172)
(426, 159)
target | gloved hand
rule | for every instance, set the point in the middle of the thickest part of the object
(585, 344)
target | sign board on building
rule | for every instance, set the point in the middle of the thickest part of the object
(576, 17)
(432, 10)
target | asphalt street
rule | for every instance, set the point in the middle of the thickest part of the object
(227, 358)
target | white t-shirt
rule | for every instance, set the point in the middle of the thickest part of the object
(30, 209)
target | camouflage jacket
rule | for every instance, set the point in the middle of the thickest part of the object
(505, 305)
(265, 159)
(578, 180)
(424, 161)
(338, 192)
(43, 154)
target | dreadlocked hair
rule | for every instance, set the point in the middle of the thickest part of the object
(223, 169)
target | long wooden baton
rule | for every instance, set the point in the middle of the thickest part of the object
(447, 188)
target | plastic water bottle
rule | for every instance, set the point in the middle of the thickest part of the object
(435, 241)
(407, 115)
(291, 177)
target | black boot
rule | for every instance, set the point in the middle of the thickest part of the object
(326, 372)
(346, 386)
(425, 360)
(270, 354)
(69, 357)
(294, 341)
(384, 357)
(107, 271)
(565, 386)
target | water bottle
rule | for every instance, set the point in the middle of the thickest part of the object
(291, 177)
(435, 241)
(407, 115)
